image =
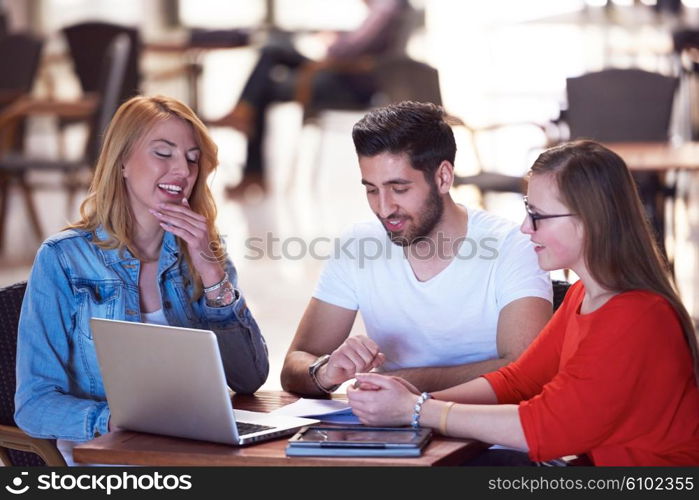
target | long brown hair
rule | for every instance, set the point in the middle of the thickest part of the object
(620, 251)
(107, 204)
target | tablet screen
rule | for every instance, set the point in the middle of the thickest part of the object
(362, 436)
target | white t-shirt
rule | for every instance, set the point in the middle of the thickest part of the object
(450, 319)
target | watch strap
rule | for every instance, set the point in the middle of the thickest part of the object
(313, 372)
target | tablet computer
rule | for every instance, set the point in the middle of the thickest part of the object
(358, 441)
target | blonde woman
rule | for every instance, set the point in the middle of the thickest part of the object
(146, 250)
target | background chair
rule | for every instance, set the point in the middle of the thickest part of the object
(90, 42)
(396, 78)
(686, 52)
(19, 60)
(88, 45)
(3, 23)
(487, 181)
(625, 105)
(16, 166)
(620, 105)
(401, 78)
(560, 288)
(404, 79)
(16, 447)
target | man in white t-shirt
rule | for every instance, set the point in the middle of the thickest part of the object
(446, 293)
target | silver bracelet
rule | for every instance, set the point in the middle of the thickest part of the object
(415, 423)
(217, 285)
(226, 296)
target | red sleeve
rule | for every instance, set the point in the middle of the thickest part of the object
(614, 388)
(538, 364)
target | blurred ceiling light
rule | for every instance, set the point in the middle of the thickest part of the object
(623, 3)
(596, 3)
(692, 4)
(649, 2)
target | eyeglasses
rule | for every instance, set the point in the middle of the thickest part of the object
(535, 217)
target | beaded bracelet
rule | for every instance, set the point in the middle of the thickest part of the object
(415, 423)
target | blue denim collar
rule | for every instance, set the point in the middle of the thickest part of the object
(169, 252)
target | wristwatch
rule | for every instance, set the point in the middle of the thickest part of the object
(313, 372)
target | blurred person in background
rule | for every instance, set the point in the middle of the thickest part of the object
(343, 77)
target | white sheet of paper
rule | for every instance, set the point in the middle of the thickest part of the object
(306, 407)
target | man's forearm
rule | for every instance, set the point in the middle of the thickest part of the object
(295, 377)
(435, 378)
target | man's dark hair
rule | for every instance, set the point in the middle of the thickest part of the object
(417, 129)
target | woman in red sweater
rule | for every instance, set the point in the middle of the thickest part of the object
(613, 376)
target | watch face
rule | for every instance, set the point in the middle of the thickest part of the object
(313, 369)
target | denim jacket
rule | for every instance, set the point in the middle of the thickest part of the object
(59, 386)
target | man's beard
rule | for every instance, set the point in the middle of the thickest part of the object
(429, 216)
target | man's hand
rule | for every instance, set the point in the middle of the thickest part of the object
(357, 354)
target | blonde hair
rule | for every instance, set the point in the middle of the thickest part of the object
(107, 203)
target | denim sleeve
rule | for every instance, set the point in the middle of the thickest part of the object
(243, 349)
(44, 406)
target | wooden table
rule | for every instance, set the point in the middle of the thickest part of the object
(134, 448)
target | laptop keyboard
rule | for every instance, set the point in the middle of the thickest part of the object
(245, 428)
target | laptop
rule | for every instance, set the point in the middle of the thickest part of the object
(169, 380)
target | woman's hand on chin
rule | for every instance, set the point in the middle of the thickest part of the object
(193, 229)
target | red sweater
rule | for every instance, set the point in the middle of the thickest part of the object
(616, 384)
